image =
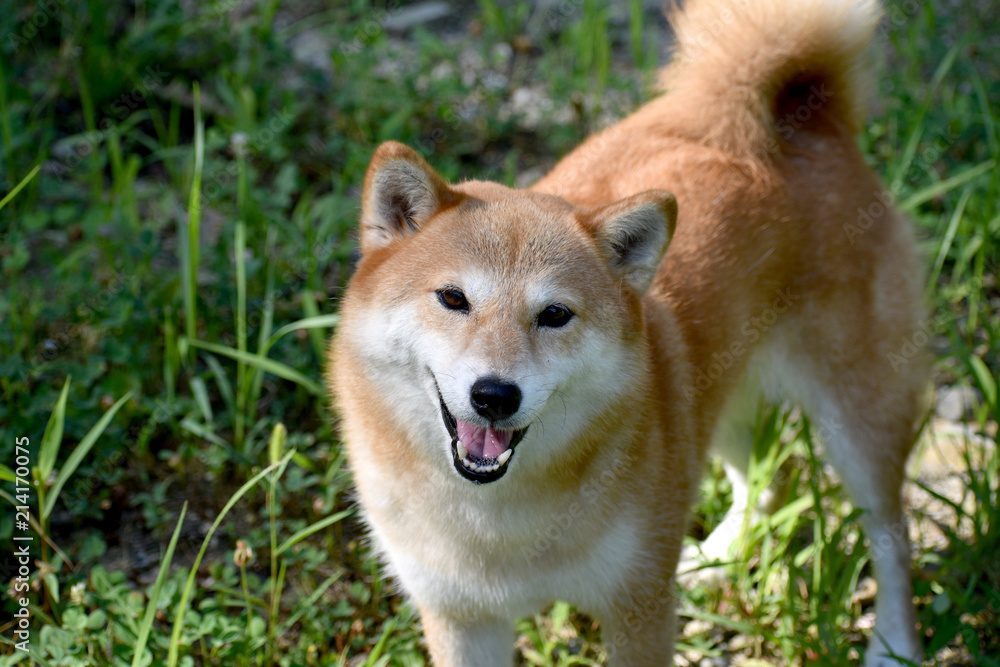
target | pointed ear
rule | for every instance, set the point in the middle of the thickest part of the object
(401, 192)
(634, 234)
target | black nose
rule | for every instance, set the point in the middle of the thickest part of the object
(495, 399)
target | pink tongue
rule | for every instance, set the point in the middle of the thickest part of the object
(482, 443)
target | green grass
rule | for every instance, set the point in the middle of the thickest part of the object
(178, 199)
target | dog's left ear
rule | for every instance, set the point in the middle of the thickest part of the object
(634, 233)
(401, 192)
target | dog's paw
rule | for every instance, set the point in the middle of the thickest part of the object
(905, 651)
(882, 660)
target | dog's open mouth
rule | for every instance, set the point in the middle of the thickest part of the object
(481, 454)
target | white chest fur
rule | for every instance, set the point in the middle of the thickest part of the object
(511, 560)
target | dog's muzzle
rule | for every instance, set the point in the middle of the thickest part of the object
(480, 454)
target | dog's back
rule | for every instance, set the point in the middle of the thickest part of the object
(777, 207)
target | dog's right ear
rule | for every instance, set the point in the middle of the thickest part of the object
(401, 192)
(634, 233)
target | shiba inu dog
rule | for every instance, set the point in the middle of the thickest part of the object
(530, 381)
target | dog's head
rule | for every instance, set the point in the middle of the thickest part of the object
(496, 321)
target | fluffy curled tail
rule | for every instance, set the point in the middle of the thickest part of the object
(753, 71)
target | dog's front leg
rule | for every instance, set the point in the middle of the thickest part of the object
(641, 633)
(468, 642)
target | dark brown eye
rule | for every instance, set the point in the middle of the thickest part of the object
(453, 298)
(555, 316)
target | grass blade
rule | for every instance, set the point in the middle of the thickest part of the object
(171, 358)
(49, 448)
(373, 657)
(182, 606)
(722, 621)
(190, 258)
(320, 322)
(154, 596)
(275, 449)
(635, 25)
(312, 312)
(200, 393)
(20, 186)
(949, 237)
(276, 444)
(909, 153)
(267, 316)
(263, 363)
(222, 382)
(242, 390)
(932, 191)
(987, 385)
(309, 530)
(309, 602)
(279, 585)
(77, 456)
(204, 433)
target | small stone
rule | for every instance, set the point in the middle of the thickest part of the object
(531, 105)
(955, 403)
(865, 593)
(696, 627)
(738, 643)
(443, 70)
(312, 47)
(502, 53)
(411, 16)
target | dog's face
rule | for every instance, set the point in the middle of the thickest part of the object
(495, 320)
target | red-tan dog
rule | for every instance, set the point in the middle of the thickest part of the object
(530, 380)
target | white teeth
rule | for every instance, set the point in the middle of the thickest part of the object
(463, 455)
(480, 468)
